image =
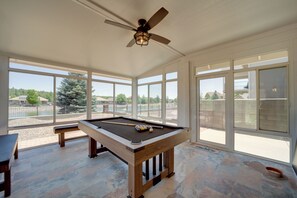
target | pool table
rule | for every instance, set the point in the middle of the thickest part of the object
(119, 136)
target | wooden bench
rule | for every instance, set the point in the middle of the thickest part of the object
(8, 150)
(61, 130)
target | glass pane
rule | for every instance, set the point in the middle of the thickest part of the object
(30, 99)
(261, 60)
(273, 107)
(123, 99)
(150, 79)
(142, 101)
(31, 66)
(172, 75)
(71, 99)
(213, 68)
(103, 100)
(171, 101)
(155, 100)
(212, 110)
(111, 78)
(245, 103)
(272, 147)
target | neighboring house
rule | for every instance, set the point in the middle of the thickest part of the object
(210, 94)
(110, 100)
(100, 100)
(22, 101)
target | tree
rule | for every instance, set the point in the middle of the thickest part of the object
(46, 94)
(175, 100)
(12, 92)
(72, 94)
(167, 99)
(144, 100)
(207, 96)
(121, 99)
(157, 99)
(32, 97)
(129, 100)
(215, 96)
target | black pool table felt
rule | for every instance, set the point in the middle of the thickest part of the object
(129, 132)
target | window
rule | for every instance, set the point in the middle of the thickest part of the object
(212, 109)
(273, 147)
(261, 106)
(273, 100)
(150, 79)
(71, 98)
(32, 91)
(149, 102)
(42, 96)
(102, 97)
(102, 77)
(245, 103)
(155, 95)
(30, 99)
(171, 98)
(38, 67)
(152, 104)
(170, 76)
(123, 100)
(211, 68)
(261, 94)
(142, 101)
(111, 96)
(261, 60)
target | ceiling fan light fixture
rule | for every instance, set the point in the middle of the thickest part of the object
(141, 38)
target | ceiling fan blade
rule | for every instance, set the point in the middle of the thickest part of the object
(159, 39)
(119, 25)
(131, 43)
(156, 18)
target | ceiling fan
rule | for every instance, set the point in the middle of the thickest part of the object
(142, 37)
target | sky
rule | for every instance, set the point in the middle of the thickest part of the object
(211, 85)
(30, 81)
(46, 83)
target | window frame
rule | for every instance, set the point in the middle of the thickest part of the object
(162, 82)
(167, 121)
(114, 96)
(259, 131)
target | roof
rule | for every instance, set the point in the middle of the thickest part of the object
(98, 98)
(24, 98)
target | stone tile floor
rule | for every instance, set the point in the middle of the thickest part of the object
(51, 171)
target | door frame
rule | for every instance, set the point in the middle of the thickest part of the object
(229, 135)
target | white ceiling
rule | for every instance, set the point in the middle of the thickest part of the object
(66, 32)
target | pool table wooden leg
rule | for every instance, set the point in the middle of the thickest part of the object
(169, 161)
(135, 181)
(7, 183)
(92, 148)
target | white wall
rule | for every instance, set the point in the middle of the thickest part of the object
(4, 61)
(183, 106)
